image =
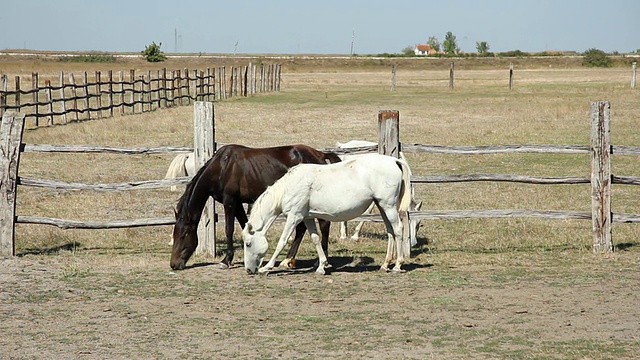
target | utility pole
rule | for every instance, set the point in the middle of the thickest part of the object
(175, 40)
(353, 38)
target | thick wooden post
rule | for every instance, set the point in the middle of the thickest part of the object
(204, 147)
(10, 140)
(389, 144)
(601, 176)
(633, 75)
(389, 133)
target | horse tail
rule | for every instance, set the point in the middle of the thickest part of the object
(177, 168)
(405, 190)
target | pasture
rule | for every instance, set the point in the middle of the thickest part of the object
(476, 288)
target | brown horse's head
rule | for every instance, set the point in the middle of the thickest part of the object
(185, 230)
(185, 241)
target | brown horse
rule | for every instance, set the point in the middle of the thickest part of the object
(235, 175)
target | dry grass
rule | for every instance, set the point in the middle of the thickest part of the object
(473, 260)
(548, 106)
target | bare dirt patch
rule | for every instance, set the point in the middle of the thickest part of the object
(80, 306)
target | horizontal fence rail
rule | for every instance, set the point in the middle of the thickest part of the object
(601, 201)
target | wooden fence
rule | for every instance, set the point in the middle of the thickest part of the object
(601, 178)
(510, 82)
(388, 122)
(81, 97)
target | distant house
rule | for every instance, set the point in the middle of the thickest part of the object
(424, 49)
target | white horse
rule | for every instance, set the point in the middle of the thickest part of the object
(334, 192)
(415, 206)
(182, 165)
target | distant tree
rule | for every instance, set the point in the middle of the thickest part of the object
(596, 58)
(152, 53)
(450, 44)
(434, 43)
(408, 51)
(482, 47)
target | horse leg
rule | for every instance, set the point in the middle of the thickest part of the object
(292, 221)
(343, 230)
(241, 216)
(322, 258)
(290, 261)
(229, 214)
(395, 244)
(325, 228)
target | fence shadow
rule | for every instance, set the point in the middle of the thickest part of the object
(625, 246)
(52, 250)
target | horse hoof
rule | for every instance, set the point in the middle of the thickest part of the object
(264, 270)
(398, 270)
(223, 266)
(288, 263)
(384, 268)
(320, 271)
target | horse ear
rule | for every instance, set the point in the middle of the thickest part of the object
(418, 206)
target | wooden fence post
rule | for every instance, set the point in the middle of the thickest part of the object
(99, 113)
(110, 76)
(49, 98)
(633, 75)
(3, 93)
(393, 77)
(601, 216)
(204, 148)
(389, 144)
(511, 76)
(74, 95)
(35, 88)
(63, 101)
(10, 140)
(87, 96)
(451, 76)
(388, 133)
(18, 107)
(132, 81)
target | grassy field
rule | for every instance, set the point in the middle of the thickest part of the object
(486, 288)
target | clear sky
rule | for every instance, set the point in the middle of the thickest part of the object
(323, 27)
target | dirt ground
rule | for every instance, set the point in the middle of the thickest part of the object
(79, 306)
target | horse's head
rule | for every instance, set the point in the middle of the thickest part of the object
(185, 241)
(255, 248)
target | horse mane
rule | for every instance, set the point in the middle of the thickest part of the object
(274, 194)
(185, 198)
